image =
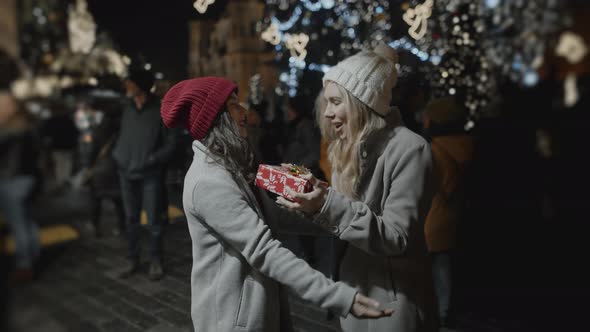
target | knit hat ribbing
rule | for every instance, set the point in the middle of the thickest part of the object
(195, 103)
(369, 76)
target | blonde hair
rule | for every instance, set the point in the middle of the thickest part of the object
(344, 153)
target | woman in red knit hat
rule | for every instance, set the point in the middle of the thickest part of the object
(240, 270)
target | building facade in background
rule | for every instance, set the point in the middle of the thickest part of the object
(230, 47)
(9, 27)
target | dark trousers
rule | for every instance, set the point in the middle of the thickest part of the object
(96, 202)
(14, 206)
(147, 193)
(442, 272)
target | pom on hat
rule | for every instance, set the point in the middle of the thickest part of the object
(195, 103)
(369, 76)
(387, 52)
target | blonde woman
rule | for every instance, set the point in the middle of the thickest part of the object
(382, 186)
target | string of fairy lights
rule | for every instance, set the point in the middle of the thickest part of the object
(465, 47)
(469, 46)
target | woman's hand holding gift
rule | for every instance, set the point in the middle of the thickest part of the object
(310, 202)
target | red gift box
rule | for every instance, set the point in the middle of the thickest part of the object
(277, 179)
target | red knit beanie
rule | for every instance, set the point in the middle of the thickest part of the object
(194, 104)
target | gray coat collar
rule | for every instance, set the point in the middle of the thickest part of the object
(203, 152)
(373, 146)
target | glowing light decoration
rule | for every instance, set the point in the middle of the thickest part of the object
(315, 6)
(417, 19)
(319, 67)
(570, 89)
(271, 34)
(296, 44)
(531, 78)
(572, 47)
(284, 26)
(492, 3)
(202, 5)
(81, 28)
(404, 43)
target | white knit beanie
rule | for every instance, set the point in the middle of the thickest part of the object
(369, 76)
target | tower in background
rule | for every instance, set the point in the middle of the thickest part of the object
(230, 47)
(9, 27)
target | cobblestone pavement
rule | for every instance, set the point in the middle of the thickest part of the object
(77, 290)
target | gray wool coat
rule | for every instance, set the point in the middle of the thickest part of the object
(385, 256)
(240, 271)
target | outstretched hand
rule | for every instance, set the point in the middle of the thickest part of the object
(364, 307)
(310, 202)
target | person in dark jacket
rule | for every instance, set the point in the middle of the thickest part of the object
(302, 139)
(141, 153)
(100, 170)
(62, 135)
(452, 152)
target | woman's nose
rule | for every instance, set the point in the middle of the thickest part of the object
(328, 113)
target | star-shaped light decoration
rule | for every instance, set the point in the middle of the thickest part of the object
(296, 44)
(202, 5)
(271, 34)
(417, 19)
(572, 47)
(571, 95)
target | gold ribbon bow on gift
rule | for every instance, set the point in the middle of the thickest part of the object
(417, 19)
(298, 170)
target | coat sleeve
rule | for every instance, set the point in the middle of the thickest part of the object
(287, 221)
(389, 233)
(223, 208)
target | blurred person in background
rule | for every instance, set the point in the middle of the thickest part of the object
(301, 140)
(61, 136)
(301, 146)
(452, 152)
(8, 73)
(410, 96)
(271, 116)
(99, 131)
(141, 153)
(86, 120)
(18, 176)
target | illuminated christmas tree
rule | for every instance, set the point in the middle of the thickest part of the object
(463, 47)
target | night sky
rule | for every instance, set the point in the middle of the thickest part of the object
(154, 29)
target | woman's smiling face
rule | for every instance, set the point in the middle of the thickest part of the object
(238, 114)
(336, 110)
